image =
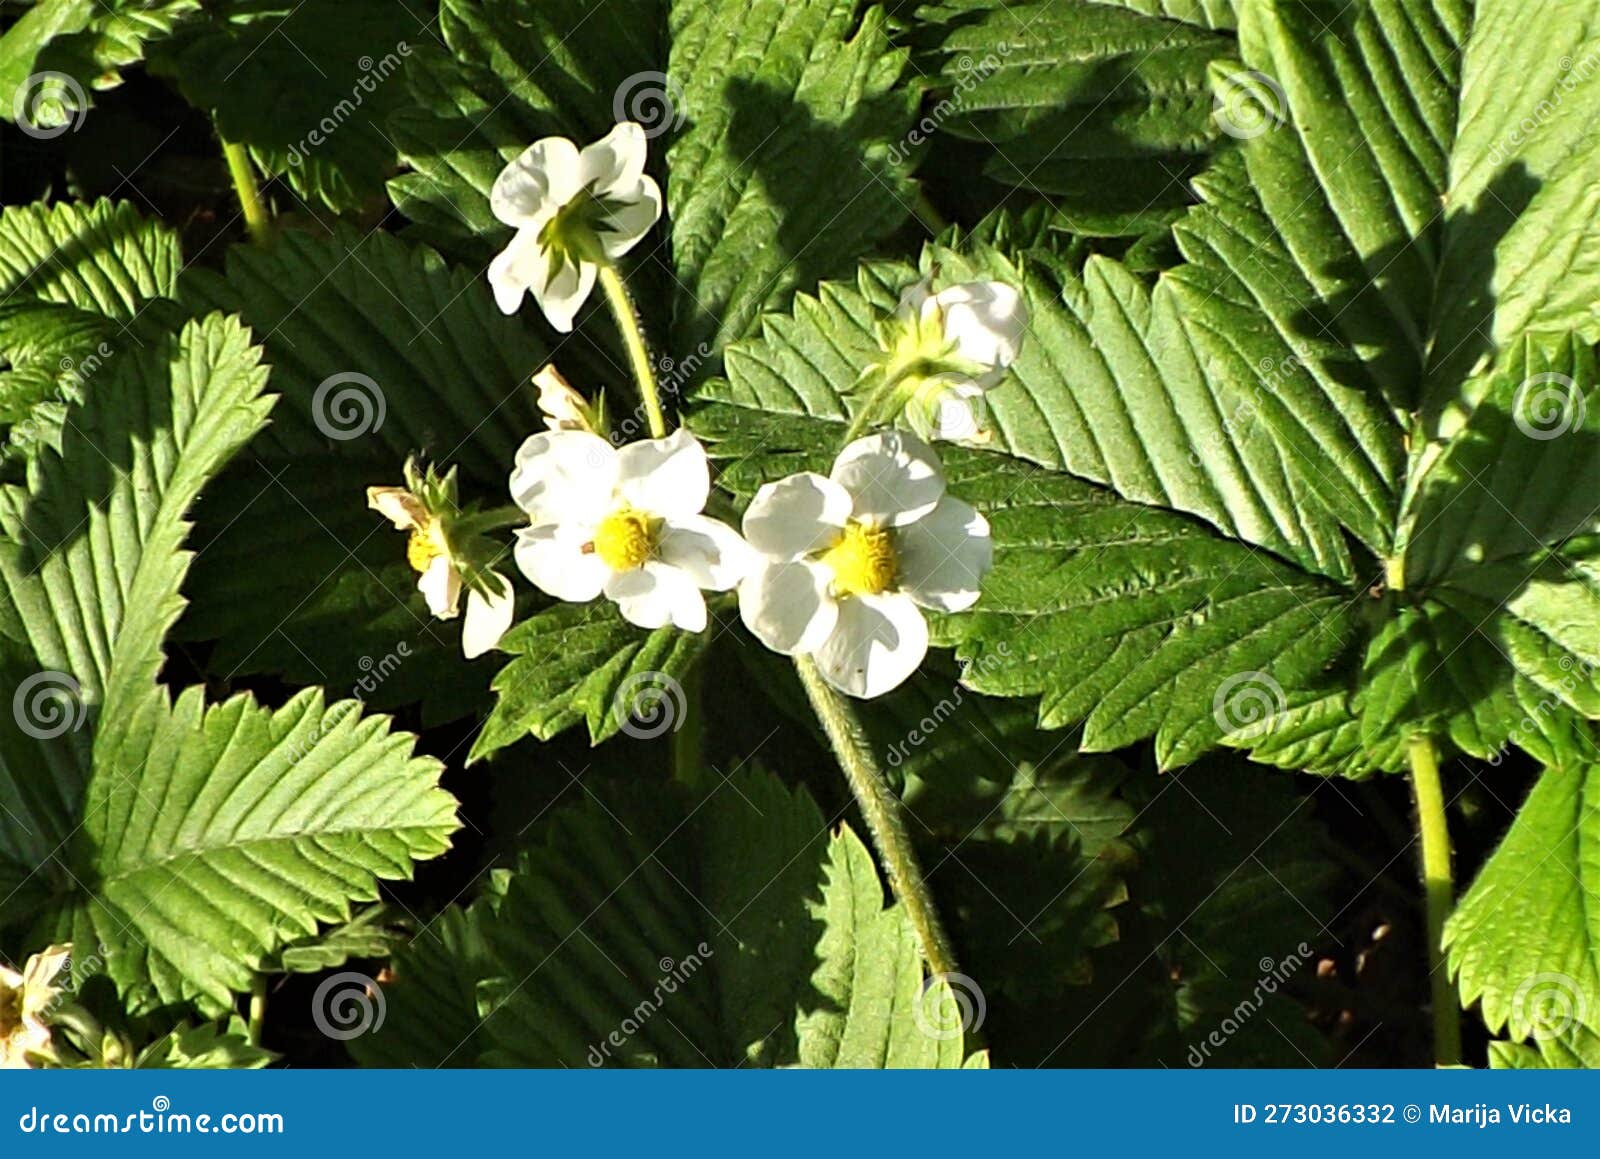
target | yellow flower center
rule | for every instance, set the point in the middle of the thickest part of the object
(862, 561)
(626, 538)
(427, 543)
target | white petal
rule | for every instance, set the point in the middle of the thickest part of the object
(667, 477)
(522, 266)
(877, 643)
(944, 555)
(914, 299)
(399, 506)
(565, 477)
(615, 162)
(986, 320)
(565, 291)
(714, 554)
(787, 607)
(892, 477)
(440, 586)
(552, 556)
(543, 178)
(39, 974)
(487, 617)
(564, 408)
(656, 595)
(625, 226)
(955, 411)
(796, 516)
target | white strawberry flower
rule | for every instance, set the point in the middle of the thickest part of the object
(949, 348)
(624, 523)
(25, 999)
(851, 559)
(426, 508)
(573, 212)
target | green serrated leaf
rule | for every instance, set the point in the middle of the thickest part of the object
(371, 306)
(775, 92)
(204, 1047)
(102, 258)
(1105, 109)
(875, 1010)
(1524, 942)
(584, 663)
(185, 843)
(88, 42)
(89, 577)
(306, 86)
(635, 931)
(287, 818)
(431, 1008)
(373, 932)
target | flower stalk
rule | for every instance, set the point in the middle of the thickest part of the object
(627, 316)
(1438, 889)
(882, 810)
(243, 175)
(873, 404)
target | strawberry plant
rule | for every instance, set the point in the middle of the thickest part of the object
(799, 532)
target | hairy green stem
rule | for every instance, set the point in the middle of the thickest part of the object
(644, 375)
(874, 403)
(258, 1009)
(249, 193)
(1438, 889)
(882, 810)
(686, 751)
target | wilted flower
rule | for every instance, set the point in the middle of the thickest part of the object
(448, 555)
(573, 212)
(626, 523)
(852, 559)
(24, 1000)
(564, 409)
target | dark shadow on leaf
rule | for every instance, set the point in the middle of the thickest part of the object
(1374, 334)
(831, 198)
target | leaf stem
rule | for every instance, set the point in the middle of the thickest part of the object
(1394, 573)
(627, 316)
(882, 809)
(248, 192)
(1438, 889)
(258, 1009)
